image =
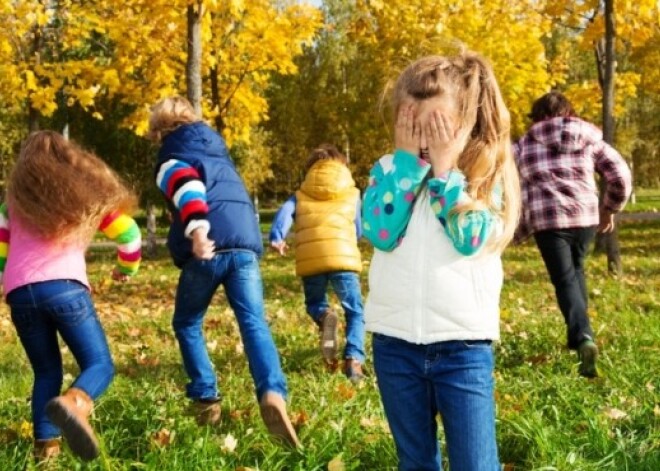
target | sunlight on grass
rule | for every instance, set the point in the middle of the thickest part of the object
(548, 417)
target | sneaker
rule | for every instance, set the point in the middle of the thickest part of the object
(353, 371)
(328, 326)
(273, 412)
(206, 411)
(588, 354)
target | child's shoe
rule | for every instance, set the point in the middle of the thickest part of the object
(206, 411)
(328, 327)
(353, 370)
(273, 413)
(588, 354)
(70, 412)
(46, 450)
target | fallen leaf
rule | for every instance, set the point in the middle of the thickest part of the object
(336, 464)
(163, 437)
(229, 443)
(615, 414)
(300, 418)
(345, 391)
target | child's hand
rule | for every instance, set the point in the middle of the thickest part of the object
(443, 142)
(279, 246)
(119, 276)
(606, 223)
(407, 132)
(203, 248)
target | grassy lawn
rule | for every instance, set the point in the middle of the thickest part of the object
(548, 417)
(645, 200)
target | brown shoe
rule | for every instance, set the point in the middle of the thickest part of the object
(206, 411)
(46, 450)
(353, 370)
(328, 327)
(70, 413)
(273, 413)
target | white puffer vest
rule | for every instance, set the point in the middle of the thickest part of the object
(424, 291)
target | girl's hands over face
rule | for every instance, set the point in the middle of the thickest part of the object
(443, 143)
(407, 132)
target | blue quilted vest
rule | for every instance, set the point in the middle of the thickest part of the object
(231, 212)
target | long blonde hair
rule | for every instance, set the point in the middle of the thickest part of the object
(484, 123)
(167, 115)
(61, 191)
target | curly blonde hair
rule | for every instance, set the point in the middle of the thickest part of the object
(61, 191)
(167, 115)
(484, 121)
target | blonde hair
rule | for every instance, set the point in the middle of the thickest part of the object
(325, 152)
(61, 191)
(167, 115)
(484, 123)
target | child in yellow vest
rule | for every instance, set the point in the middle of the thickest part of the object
(326, 210)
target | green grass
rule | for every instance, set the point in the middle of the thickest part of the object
(646, 199)
(549, 418)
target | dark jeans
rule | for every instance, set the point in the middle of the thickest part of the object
(42, 310)
(563, 252)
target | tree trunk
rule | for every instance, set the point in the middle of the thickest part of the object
(194, 60)
(151, 230)
(606, 68)
(215, 99)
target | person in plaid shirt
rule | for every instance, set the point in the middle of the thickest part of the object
(557, 159)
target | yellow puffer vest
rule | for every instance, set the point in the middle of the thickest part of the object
(325, 220)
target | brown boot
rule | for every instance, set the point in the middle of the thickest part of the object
(353, 370)
(46, 450)
(328, 334)
(70, 412)
(206, 411)
(273, 413)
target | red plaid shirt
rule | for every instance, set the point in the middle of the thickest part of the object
(557, 159)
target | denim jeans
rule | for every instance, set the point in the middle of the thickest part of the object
(346, 285)
(453, 379)
(563, 252)
(238, 271)
(41, 310)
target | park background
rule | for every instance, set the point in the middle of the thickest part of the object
(277, 78)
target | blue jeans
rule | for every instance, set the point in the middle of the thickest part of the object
(346, 285)
(453, 379)
(238, 271)
(41, 310)
(563, 252)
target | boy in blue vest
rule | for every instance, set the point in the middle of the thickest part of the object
(215, 240)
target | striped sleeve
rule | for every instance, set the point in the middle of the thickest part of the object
(183, 186)
(4, 237)
(123, 230)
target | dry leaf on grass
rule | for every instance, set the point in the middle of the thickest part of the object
(336, 464)
(615, 414)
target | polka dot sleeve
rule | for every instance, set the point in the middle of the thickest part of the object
(394, 183)
(469, 231)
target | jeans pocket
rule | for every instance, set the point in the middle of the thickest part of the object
(73, 312)
(23, 319)
(244, 258)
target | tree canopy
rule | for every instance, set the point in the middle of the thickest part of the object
(282, 76)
